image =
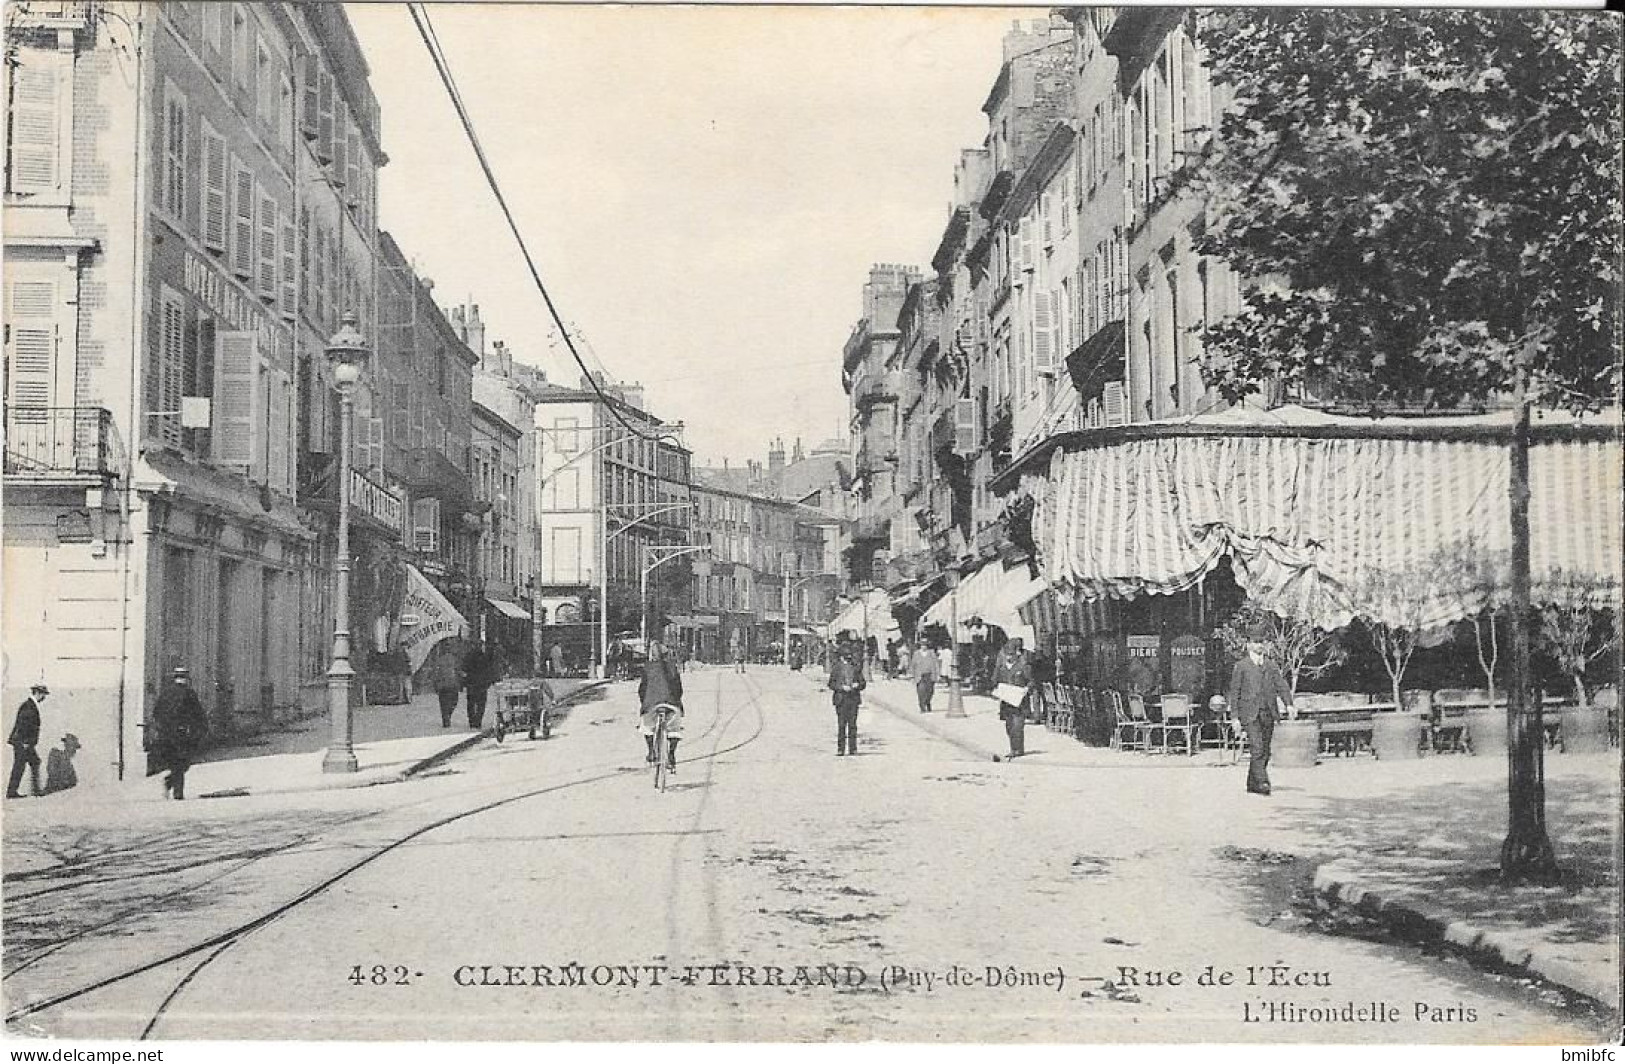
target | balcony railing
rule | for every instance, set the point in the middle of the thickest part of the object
(61, 441)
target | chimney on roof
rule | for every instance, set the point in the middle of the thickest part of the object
(775, 457)
(476, 332)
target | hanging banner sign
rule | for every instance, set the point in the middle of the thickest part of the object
(426, 619)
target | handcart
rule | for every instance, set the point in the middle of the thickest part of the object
(523, 705)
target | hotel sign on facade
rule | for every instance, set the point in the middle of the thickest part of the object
(377, 502)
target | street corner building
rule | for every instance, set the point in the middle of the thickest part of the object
(190, 207)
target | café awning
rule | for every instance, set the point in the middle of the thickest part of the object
(1307, 505)
(992, 594)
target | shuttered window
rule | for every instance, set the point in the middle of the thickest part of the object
(33, 164)
(310, 98)
(1043, 334)
(270, 222)
(169, 374)
(284, 112)
(242, 222)
(31, 346)
(353, 191)
(290, 266)
(172, 187)
(324, 136)
(278, 430)
(214, 189)
(236, 426)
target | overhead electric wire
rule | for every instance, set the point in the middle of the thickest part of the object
(420, 16)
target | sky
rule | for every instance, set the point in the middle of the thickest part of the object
(704, 189)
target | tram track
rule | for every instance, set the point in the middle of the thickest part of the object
(215, 946)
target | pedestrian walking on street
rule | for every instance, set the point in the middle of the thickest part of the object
(24, 742)
(923, 666)
(555, 660)
(446, 673)
(661, 685)
(846, 681)
(181, 726)
(480, 671)
(1255, 688)
(1014, 673)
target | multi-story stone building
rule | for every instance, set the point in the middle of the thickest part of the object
(872, 387)
(762, 576)
(611, 481)
(160, 169)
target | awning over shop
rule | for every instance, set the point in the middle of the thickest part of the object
(992, 594)
(509, 609)
(426, 619)
(868, 615)
(1308, 506)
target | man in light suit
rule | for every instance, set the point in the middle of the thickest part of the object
(1255, 687)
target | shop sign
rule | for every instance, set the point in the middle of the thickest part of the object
(376, 501)
(1144, 646)
(73, 527)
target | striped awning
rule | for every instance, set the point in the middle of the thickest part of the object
(993, 595)
(1307, 519)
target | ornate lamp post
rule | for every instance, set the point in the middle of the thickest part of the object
(346, 350)
(956, 695)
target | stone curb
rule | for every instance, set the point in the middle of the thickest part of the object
(399, 776)
(1418, 921)
(935, 730)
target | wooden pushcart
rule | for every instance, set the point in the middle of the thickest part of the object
(523, 705)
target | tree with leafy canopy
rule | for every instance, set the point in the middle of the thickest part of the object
(1428, 203)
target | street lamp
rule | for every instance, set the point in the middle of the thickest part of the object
(662, 555)
(346, 351)
(956, 695)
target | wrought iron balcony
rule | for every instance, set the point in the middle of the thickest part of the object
(61, 442)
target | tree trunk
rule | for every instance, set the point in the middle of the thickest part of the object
(1526, 855)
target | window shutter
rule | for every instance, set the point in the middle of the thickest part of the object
(310, 97)
(324, 137)
(965, 426)
(352, 167)
(1114, 403)
(341, 146)
(236, 428)
(276, 436)
(214, 189)
(267, 257)
(1043, 333)
(35, 127)
(426, 526)
(290, 266)
(171, 368)
(375, 443)
(242, 236)
(31, 329)
(1026, 255)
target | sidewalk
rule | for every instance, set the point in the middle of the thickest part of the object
(391, 743)
(1411, 845)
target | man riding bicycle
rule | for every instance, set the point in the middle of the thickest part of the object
(661, 688)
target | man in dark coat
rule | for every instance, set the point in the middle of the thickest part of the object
(181, 725)
(1255, 686)
(660, 685)
(24, 742)
(480, 671)
(846, 682)
(1014, 669)
(446, 673)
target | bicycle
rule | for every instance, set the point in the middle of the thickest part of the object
(664, 712)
